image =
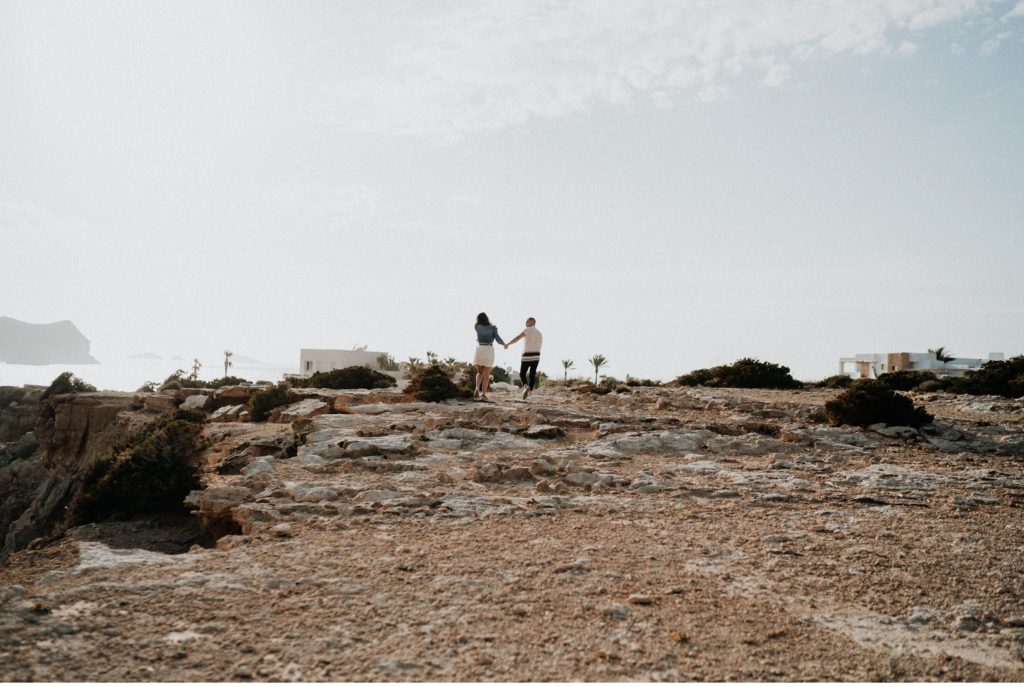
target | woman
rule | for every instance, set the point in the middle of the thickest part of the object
(486, 335)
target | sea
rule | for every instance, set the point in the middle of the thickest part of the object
(120, 372)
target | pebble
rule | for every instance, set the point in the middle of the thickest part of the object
(12, 592)
(616, 611)
(640, 600)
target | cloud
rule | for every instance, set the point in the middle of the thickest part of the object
(907, 48)
(491, 65)
(1016, 13)
(327, 206)
(989, 47)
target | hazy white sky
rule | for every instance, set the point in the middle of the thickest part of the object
(672, 184)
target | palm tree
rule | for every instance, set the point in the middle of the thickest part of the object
(941, 354)
(227, 361)
(567, 364)
(598, 361)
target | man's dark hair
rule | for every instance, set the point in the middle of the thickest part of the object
(482, 319)
(532, 318)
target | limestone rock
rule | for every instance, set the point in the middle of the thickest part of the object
(542, 432)
(227, 413)
(158, 403)
(311, 493)
(196, 402)
(303, 410)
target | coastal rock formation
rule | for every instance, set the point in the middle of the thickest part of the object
(22, 343)
(655, 534)
(71, 433)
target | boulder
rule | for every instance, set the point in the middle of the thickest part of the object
(158, 403)
(303, 410)
(216, 507)
(312, 493)
(228, 413)
(542, 432)
(196, 402)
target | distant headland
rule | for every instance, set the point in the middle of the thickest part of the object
(23, 343)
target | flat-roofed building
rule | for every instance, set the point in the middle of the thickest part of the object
(871, 365)
(313, 360)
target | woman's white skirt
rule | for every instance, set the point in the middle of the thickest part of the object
(484, 356)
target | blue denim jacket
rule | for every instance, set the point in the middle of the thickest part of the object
(487, 334)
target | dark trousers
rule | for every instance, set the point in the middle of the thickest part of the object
(532, 368)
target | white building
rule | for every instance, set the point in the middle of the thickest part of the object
(871, 365)
(326, 359)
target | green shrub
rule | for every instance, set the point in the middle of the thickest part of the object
(588, 387)
(905, 380)
(433, 384)
(501, 374)
(387, 363)
(996, 378)
(869, 401)
(835, 382)
(356, 377)
(746, 373)
(634, 381)
(230, 380)
(265, 400)
(152, 472)
(67, 383)
(178, 380)
(931, 385)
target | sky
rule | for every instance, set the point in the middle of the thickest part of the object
(673, 185)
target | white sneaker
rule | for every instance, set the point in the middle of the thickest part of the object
(526, 392)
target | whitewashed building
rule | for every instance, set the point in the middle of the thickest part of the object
(871, 365)
(313, 360)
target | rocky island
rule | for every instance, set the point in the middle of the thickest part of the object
(654, 534)
(22, 343)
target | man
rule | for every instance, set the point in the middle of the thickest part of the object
(531, 355)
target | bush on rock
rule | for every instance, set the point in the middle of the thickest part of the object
(265, 400)
(152, 472)
(746, 373)
(433, 384)
(835, 382)
(356, 377)
(905, 380)
(996, 378)
(869, 401)
(67, 383)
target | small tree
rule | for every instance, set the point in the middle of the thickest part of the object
(67, 383)
(941, 354)
(598, 361)
(196, 366)
(567, 365)
(227, 361)
(387, 363)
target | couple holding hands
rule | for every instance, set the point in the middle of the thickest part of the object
(486, 335)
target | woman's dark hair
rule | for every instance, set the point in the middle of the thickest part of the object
(482, 319)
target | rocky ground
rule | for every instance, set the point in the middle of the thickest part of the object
(664, 534)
